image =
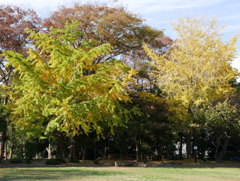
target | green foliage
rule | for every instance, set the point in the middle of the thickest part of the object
(30, 150)
(59, 87)
(222, 119)
(222, 126)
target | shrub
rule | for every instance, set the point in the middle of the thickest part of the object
(16, 160)
(54, 161)
(74, 161)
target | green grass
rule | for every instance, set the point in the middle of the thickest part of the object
(119, 174)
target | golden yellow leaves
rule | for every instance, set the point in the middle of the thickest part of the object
(196, 69)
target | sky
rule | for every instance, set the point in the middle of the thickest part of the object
(159, 13)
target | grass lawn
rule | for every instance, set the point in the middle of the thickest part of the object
(119, 174)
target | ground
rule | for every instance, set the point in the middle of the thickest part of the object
(120, 174)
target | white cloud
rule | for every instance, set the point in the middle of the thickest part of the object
(35, 3)
(43, 7)
(150, 5)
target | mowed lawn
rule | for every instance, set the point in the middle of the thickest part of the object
(119, 174)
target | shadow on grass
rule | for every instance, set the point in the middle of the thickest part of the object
(32, 174)
(197, 165)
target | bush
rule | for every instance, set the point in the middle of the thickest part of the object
(16, 160)
(74, 161)
(30, 150)
(54, 161)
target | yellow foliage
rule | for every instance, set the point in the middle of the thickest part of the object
(60, 86)
(196, 69)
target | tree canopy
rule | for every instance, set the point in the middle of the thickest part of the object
(196, 70)
(125, 31)
(58, 87)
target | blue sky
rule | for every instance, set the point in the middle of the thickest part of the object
(160, 13)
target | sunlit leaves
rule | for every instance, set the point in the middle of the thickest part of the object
(196, 70)
(60, 86)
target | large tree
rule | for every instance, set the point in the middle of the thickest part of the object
(125, 31)
(13, 22)
(196, 70)
(223, 123)
(60, 88)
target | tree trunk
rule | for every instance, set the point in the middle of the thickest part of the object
(217, 148)
(140, 149)
(83, 153)
(105, 150)
(220, 155)
(59, 153)
(12, 141)
(189, 145)
(180, 147)
(11, 151)
(4, 135)
(137, 151)
(3, 145)
(49, 150)
(95, 150)
(74, 150)
(2, 150)
(189, 135)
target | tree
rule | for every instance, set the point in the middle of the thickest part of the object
(222, 123)
(13, 22)
(59, 87)
(123, 30)
(104, 24)
(196, 70)
(13, 37)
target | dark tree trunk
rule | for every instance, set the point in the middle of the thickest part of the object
(94, 150)
(217, 148)
(189, 145)
(137, 151)
(220, 154)
(74, 149)
(3, 145)
(4, 134)
(180, 147)
(83, 152)
(60, 150)
(73, 152)
(105, 148)
(189, 136)
(140, 150)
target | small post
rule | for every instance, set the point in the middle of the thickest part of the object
(195, 153)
